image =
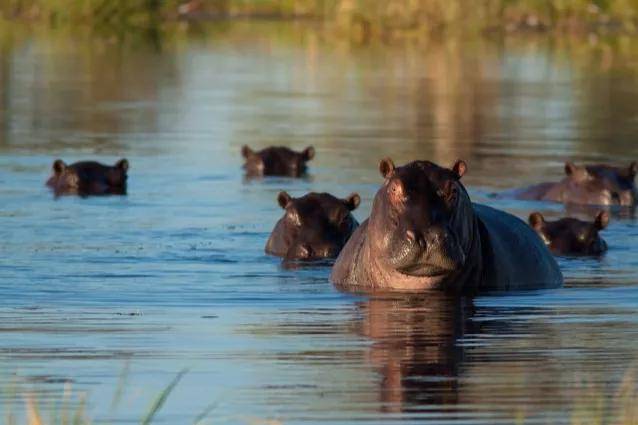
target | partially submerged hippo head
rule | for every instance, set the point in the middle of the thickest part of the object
(570, 236)
(600, 184)
(276, 161)
(421, 220)
(314, 226)
(89, 178)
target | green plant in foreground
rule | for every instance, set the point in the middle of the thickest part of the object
(63, 412)
(161, 399)
(592, 405)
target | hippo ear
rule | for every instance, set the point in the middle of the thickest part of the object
(122, 164)
(284, 199)
(308, 153)
(536, 220)
(353, 201)
(246, 152)
(633, 170)
(570, 168)
(602, 220)
(386, 167)
(59, 166)
(459, 168)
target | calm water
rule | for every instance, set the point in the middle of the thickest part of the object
(174, 276)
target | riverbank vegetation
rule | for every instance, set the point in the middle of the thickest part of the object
(362, 18)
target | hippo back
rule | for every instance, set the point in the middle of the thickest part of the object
(514, 257)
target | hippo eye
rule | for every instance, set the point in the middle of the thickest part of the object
(582, 237)
(449, 193)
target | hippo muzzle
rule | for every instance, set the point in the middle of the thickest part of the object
(431, 253)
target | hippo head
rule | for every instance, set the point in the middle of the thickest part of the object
(116, 176)
(422, 220)
(570, 236)
(276, 161)
(63, 178)
(88, 177)
(601, 184)
(314, 226)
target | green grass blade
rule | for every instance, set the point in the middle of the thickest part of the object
(78, 417)
(119, 390)
(161, 399)
(205, 412)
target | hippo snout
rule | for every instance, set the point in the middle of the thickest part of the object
(430, 253)
(306, 251)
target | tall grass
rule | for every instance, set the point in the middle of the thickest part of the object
(592, 404)
(161, 399)
(71, 408)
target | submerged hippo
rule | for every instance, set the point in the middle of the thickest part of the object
(424, 232)
(276, 161)
(315, 226)
(588, 185)
(89, 178)
(570, 236)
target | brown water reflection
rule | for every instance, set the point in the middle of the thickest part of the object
(414, 349)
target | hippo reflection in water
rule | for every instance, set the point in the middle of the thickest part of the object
(439, 354)
(588, 185)
(414, 347)
(314, 226)
(570, 236)
(424, 232)
(276, 161)
(89, 178)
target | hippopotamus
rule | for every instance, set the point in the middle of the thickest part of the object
(314, 226)
(88, 178)
(424, 232)
(571, 236)
(276, 161)
(597, 184)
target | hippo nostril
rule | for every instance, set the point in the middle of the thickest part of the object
(615, 197)
(414, 238)
(305, 251)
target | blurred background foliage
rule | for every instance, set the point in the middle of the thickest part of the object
(359, 18)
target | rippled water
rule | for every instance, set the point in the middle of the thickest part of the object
(174, 276)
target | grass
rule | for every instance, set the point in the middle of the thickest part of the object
(71, 408)
(157, 404)
(592, 405)
(599, 405)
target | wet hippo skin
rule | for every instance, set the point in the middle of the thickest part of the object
(424, 232)
(314, 226)
(89, 178)
(588, 185)
(570, 236)
(276, 161)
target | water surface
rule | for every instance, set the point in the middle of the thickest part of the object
(174, 276)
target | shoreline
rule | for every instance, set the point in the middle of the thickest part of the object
(345, 18)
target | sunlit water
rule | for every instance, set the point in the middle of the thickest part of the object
(173, 276)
